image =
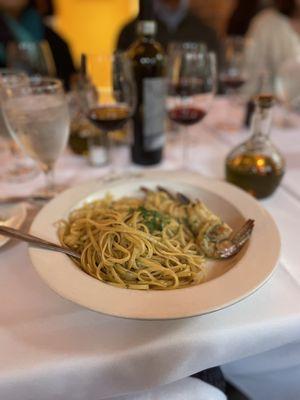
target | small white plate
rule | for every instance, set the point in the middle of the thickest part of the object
(13, 216)
(228, 281)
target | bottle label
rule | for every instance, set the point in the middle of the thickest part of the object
(146, 28)
(154, 98)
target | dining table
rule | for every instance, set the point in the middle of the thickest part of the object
(52, 348)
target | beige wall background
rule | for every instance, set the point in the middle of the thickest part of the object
(92, 25)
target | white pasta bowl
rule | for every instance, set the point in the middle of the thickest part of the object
(227, 281)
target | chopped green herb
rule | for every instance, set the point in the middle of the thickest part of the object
(154, 220)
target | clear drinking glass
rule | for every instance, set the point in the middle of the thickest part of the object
(34, 58)
(37, 116)
(19, 167)
(115, 99)
(191, 88)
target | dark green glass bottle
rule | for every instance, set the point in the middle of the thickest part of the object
(148, 63)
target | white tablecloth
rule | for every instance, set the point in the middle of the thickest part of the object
(54, 349)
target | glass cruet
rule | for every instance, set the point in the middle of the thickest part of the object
(256, 165)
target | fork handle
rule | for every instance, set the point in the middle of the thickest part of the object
(26, 199)
(44, 244)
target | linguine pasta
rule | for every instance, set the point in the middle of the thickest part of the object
(153, 242)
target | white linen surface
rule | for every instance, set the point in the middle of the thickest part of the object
(185, 389)
(54, 349)
(276, 372)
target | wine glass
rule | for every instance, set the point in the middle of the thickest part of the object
(191, 87)
(233, 72)
(34, 58)
(22, 167)
(234, 82)
(37, 116)
(114, 99)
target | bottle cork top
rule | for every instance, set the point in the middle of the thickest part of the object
(265, 100)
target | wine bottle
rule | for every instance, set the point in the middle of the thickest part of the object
(148, 63)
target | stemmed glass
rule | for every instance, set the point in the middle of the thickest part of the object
(37, 116)
(234, 82)
(114, 100)
(191, 88)
(34, 58)
(233, 72)
(22, 168)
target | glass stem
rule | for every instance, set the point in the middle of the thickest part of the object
(185, 143)
(49, 177)
(111, 155)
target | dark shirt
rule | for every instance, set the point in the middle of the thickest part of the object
(190, 29)
(59, 49)
(61, 55)
(242, 16)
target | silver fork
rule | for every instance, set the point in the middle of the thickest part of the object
(36, 241)
(32, 198)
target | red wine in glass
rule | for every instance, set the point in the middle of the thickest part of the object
(186, 115)
(232, 82)
(109, 117)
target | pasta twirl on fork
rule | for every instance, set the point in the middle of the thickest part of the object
(153, 242)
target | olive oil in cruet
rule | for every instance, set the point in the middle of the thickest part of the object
(256, 165)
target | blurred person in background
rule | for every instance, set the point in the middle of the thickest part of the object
(175, 23)
(21, 22)
(242, 15)
(275, 34)
(44, 7)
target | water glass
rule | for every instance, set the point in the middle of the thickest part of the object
(37, 116)
(19, 167)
